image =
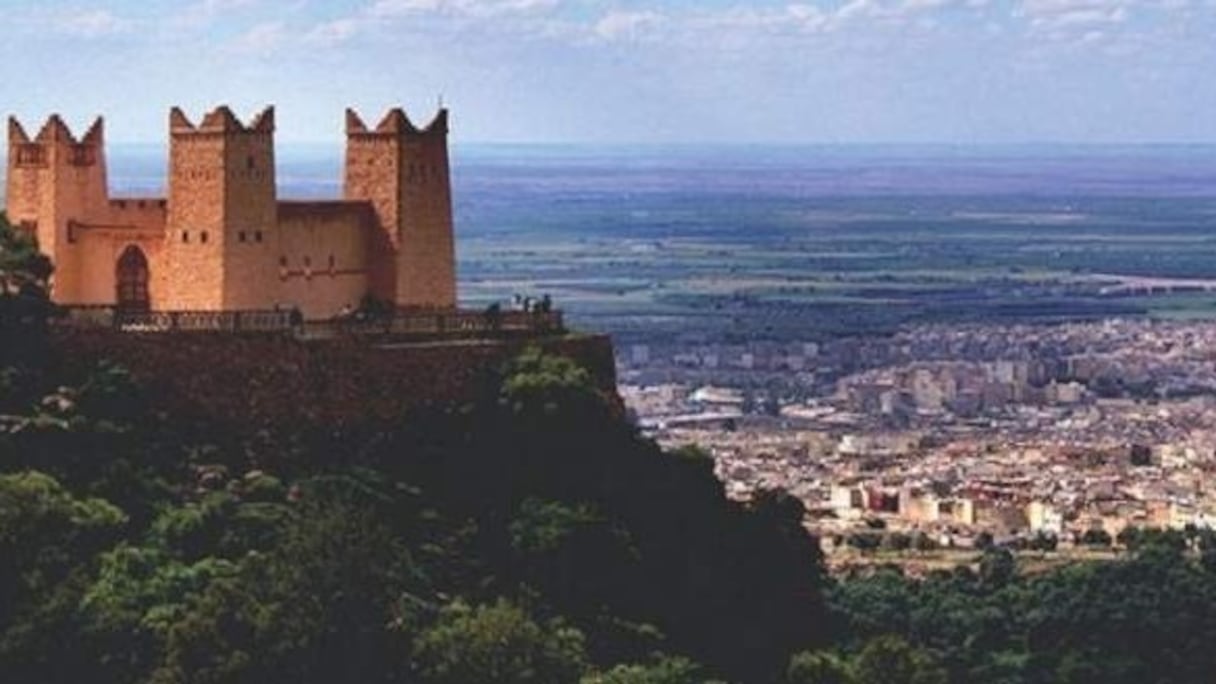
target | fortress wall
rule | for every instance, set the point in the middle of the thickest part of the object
(66, 192)
(250, 275)
(140, 213)
(370, 174)
(23, 186)
(426, 275)
(192, 268)
(312, 236)
(100, 240)
(251, 380)
(100, 249)
(226, 243)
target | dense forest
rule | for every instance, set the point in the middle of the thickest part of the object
(529, 535)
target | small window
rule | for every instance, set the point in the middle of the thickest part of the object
(257, 236)
(202, 237)
(282, 262)
(240, 236)
(185, 236)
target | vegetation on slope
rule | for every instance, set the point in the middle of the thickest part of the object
(529, 536)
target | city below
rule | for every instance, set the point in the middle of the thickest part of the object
(920, 447)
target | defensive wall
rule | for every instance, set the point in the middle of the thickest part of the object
(248, 380)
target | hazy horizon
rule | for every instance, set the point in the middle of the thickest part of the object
(632, 71)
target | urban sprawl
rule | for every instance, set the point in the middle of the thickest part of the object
(937, 438)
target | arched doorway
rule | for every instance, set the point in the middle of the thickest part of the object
(132, 278)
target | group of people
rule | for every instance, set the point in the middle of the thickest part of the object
(493, 312)
(531, 305)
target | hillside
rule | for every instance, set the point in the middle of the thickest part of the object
(522, 532)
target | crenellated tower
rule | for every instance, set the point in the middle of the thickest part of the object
(55, 180)
(221, 240)
(221, 229)
(403, 172)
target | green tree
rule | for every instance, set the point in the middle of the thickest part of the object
(48, 538)
(24, 296)
(138, 596)
(664, 670)
(323, 603)
(892, 660)
(819, 667)
(497, 644)
(997, 567)
(1096, 538)
(538, 384)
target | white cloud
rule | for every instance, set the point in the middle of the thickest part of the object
(262, 39)
(794, 18)
(1085, 17)
(392, 8)
(91, 23)
(475, 8)
(626, 25)
(203, 12)
(1079, 14)
(502, 15)
(333, 32)
(925, 5)
(858, 8)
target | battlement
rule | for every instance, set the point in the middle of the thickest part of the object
(220, 120)
(54, 130)
(220, 240)
(82, 151)
(396, 124)
(16, 133)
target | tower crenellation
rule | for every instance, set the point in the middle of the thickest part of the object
(55, 180)
(222, 209)
(222, 239)
(403, 171)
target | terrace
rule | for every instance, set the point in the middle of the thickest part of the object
(401, 325)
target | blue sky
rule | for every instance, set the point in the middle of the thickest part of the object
(959, 71)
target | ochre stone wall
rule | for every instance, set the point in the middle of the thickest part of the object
(370, 175)
(193, 268)
(426, 271)
(100, 249)
(253, 380)
(403, 172)
(55, 180)
(221, 240)
(323, 255)
(250, 209)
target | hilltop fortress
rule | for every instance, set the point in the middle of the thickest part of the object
(222, 240)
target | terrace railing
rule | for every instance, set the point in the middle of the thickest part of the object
(404, 324)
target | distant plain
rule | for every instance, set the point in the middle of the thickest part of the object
(723, 243)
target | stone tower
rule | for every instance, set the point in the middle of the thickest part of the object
(402, 170)
(54, 181)
(221, 228)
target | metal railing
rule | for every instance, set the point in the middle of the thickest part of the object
(402, 324)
